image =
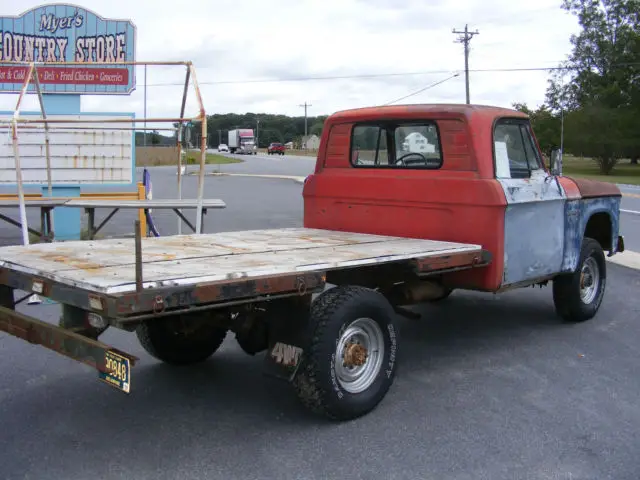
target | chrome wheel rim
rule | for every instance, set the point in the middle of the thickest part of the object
(359, 355)
(589, 280)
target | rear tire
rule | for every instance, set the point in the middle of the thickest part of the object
(354, 325)
(577, 296)
(447, 292)
(181, 339)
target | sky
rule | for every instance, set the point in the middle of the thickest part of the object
(391, 48)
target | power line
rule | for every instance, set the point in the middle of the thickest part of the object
(423, 89)
(465, 38)
(398, 74)
(380, 75)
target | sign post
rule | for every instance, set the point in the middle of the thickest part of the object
(51, 35)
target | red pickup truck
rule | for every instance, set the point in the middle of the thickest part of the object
(406, 204)
(274, 148)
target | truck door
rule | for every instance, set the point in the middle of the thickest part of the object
(534, 217)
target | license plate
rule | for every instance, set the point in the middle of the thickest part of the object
(119, 372)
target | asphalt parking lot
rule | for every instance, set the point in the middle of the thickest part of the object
(489, 387)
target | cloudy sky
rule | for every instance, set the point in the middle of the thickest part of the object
(248, 54)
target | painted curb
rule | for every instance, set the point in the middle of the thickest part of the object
(627, 185)
(627, 259)
(281, 177)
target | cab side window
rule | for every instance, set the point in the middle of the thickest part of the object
(515, 154)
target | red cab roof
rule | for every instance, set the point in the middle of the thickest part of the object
(424, 110)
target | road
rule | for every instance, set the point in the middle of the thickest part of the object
(490, 387)
(630, 217)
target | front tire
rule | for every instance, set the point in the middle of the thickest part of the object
(350, 362)
(181, 339)
(577, 296)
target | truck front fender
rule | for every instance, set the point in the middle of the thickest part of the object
(597, 218)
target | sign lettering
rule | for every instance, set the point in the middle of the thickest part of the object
(67, 33)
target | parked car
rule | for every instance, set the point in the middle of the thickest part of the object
(275, 148)
(223, 148)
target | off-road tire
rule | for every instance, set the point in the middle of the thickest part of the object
(162, 340)
(566, 288)
(316, 381)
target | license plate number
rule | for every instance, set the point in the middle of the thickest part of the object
(118, 372)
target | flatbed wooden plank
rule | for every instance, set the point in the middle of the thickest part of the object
(108, 266)
(160, 203)
(93, 254)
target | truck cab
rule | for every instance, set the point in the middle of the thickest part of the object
(475, 175)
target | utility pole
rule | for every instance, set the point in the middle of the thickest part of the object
(145, 106)
(465, 38)
(305, 105)
(219, 137)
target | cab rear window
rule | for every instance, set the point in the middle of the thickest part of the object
(396, 145)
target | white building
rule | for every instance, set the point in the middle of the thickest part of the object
(311, 142)
(416, 142)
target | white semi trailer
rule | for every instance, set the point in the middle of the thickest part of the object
(242, 140)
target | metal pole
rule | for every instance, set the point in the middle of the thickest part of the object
(46, 148)
(16, 154)
(182, 107)
(203, 158)
(145, 105)
(23, 210)
(203, 150)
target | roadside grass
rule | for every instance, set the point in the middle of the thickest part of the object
(191, 158)
(588, 168)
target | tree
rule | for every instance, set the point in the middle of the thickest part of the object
(545, 125)
(282, 127)
(155, 138)
(316, 128)
(603, 70)
(599, 132)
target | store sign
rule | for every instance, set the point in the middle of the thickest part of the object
(68, 33)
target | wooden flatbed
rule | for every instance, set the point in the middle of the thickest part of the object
(147, 284)
(109, 266)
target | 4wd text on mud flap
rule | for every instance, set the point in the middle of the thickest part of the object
(287, 355)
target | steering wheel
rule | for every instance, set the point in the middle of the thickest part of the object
(418, 154)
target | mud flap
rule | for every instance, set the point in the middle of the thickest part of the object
(283, 360)
(287, 340)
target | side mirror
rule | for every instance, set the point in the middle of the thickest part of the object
(556, 162)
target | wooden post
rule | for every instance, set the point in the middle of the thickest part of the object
(141, 216)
